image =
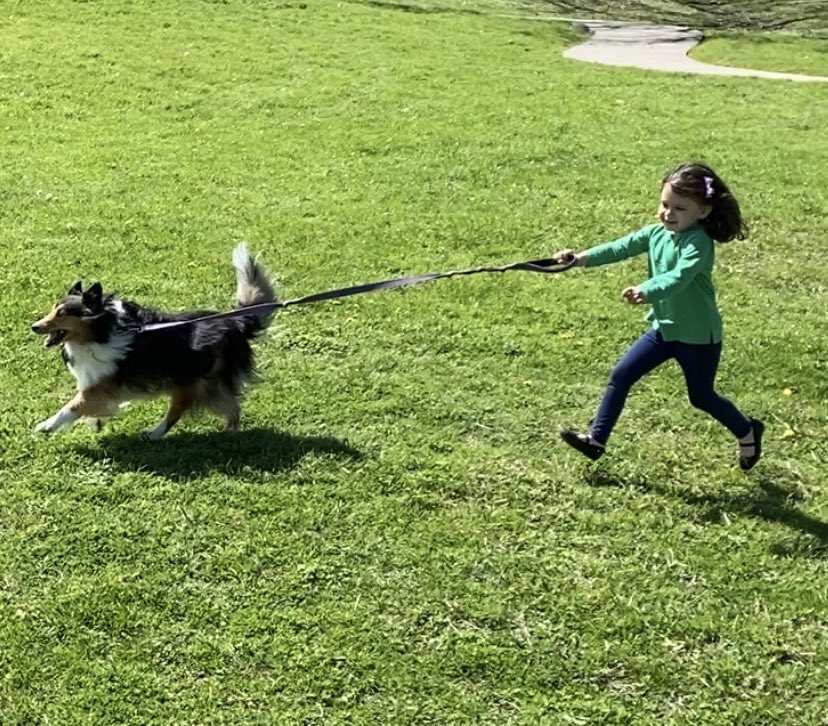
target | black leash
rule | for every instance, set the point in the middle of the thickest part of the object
(549, 265)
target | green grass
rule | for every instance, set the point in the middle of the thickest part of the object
(788, 37)
(781, 53)
(397, 536)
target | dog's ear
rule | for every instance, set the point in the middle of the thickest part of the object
(76, 289)
(93, 297)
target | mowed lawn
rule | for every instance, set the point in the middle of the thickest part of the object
(397, 535)
(780, 53)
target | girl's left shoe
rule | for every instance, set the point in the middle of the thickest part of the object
(747, 462)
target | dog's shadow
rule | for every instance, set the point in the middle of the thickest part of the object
(250, 453)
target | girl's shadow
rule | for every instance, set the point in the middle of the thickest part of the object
(238, 453)
(769, 502)
(772, 503)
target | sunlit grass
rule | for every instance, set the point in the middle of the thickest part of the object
(785, 54)
(397, 536)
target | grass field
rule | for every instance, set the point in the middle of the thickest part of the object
(397, 536)
(788, 36)
(765, 51)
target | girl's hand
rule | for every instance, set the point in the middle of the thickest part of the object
(567, 255)
(633, 296)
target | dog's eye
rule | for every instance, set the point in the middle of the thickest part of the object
(60, 312)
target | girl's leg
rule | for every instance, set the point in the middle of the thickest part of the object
(646, 354)
(699, 364)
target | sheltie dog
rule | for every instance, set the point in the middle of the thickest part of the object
(204, 364)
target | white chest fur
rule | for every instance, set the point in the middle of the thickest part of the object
(92, 362)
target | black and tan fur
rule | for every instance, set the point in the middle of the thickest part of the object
(204, 364)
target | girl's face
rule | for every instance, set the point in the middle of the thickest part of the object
(678, 213)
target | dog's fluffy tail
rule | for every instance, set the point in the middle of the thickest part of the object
(253, 286)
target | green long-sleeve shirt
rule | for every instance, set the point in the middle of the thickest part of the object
(680, 285)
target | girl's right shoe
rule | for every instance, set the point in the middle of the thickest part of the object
(749, 454)
(583, 443)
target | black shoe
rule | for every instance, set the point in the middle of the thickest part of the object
(582, 443)
(748, 462)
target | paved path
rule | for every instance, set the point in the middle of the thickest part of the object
(656, 47)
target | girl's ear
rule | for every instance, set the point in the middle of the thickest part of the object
(705, 210)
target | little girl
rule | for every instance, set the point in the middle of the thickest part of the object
(696, 208)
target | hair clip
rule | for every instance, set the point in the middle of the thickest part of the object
(708, 187)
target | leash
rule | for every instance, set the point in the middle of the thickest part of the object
(548, 266)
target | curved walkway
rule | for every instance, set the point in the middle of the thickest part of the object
(657, 48)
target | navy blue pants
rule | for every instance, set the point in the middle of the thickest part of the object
(699, 364)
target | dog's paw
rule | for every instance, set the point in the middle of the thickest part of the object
(45, 427)
(152, 435)
(62, 418)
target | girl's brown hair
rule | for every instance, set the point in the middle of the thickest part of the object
(699, 182)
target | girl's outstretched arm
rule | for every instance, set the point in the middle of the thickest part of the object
(633, 244)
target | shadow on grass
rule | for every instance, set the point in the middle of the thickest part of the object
(417, 9)
(769, 502)
(599, 476)
(185, 455)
